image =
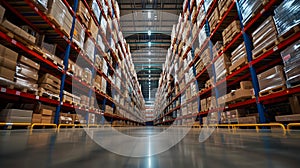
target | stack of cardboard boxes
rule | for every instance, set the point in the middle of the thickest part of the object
(50, 84)
(27, 72)
(231, 31)
(15, 116)
(8, 63)
(222, 66)
(264, 37)
(238, 57)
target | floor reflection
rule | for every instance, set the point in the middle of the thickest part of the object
(74, 148)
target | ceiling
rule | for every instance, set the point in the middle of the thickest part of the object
(147, 26)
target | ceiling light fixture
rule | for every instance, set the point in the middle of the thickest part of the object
(149, 43)
(149, 32)
(149, 15)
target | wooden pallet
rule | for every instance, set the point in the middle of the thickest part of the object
(44, 93)
(264, 49)
(289, 33)
(293, 83)
(273, 90)
(57, 24)
(241, 62)
(11, 35)
(67, 101)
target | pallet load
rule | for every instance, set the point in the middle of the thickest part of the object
(231, 31)
(18, 33)
(248, 120)
(287, 16)
(27, 73)
(70, 98)
(89, 48)
(222, 67)
(272, 80)
(65, 118)
(47, 116)
(109, 109)
(207, 4)
(217, 48)
(49, 86)
(60, 16)
(83, 13)
(8, 63)
(87, 76)
(232, 116)
(79, 34)
(15, 116)
(97, 83)
(244, 92)
(238, 58)
(264, 37)
(214, 18)
(249, 8)
(291, 60)
(93, 29)
(223, 6)
(205, 57)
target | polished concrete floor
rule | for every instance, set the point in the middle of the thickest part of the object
(74, 148)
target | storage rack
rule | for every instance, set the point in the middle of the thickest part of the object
(268, 59)
(31, 14)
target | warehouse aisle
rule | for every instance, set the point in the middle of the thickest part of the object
(73, 148)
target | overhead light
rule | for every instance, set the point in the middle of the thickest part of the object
(149, 32)
(149, 53)
(149, 15)
(149, 76)
(149, 79)
(149, 43)
(149, 60)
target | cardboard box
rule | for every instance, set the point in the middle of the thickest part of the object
(36, 118)
(14, 119)
(27, 83)
(7, 73)
(16, 113)
(295, 103)
(246, 85)
(47, 120)
(247, 120)
(18, 31)
(29, 62)
(294, 117)
(8, 53)
(46, 112)
(7, 63)
(93, 29)
(44, 78)
(27, 71)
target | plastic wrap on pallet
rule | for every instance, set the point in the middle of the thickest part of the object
(207, 4)
(290, 53)
(248, 8)
(287, 16)
(89, 48)
(202, 36)
(79, 34)
(238, 53)
(271, 78)
(221, 66)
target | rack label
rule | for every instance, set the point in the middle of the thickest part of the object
(18, 93)
(37, 97)
(3, 90)
(14, 42)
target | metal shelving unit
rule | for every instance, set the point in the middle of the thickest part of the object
(249, 70)
(71, 49)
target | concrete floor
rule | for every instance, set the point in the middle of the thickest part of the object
(73, 148)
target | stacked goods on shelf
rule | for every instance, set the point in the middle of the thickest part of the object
(272, 80)
(65, 118)
(214, 18)
(244, 92)
(8, 63)
(250, 119)
(87, 76)
(47, 116)
(12, 28)
(248, 8)
(60, 15)
(287, 16)
(238, 57)
(27, 72)
(79, 34)
(202, 36)
(83, 14)
(201, 14)
(217, 48)
(231, 31)
(232, 116)
(89, 48)
(205, 57)
(264, 37)
(71, 98)
(109, 109)
(222, 67)
(16, 116)
(87, 101)
(223, 6)
(92, 118)
(93, 29)
(49, 86)
(291, 60)
(97, 82)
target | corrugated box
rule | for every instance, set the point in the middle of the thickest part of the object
(29, 62)
(27, 71)
(36, 118)
(46, 112)
(246, 85)
(7, 73)
(18, 31)
(8, 53)
(47, 120)
(248, 120)
(7, 63)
